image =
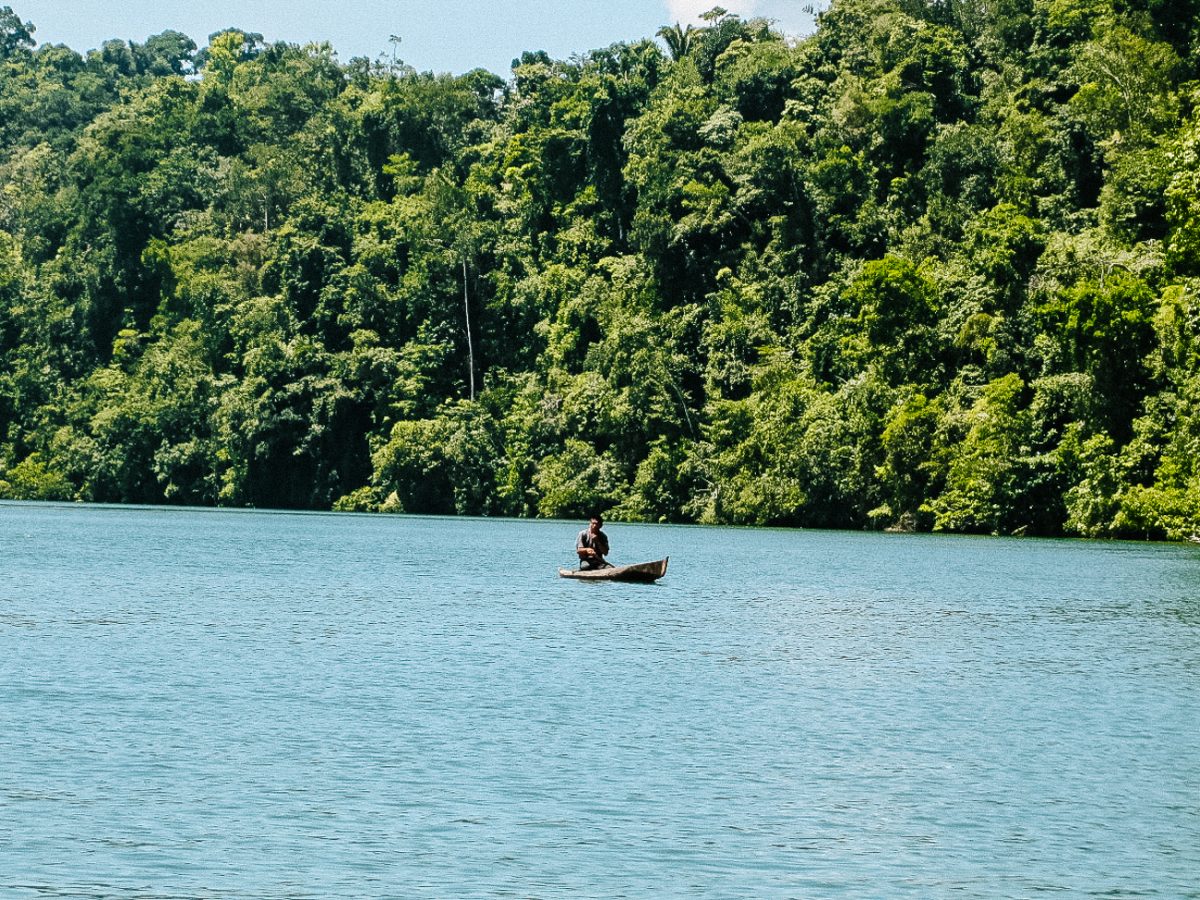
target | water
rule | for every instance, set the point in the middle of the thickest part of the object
(242, 704)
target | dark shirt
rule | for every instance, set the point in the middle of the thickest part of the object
(599, 543)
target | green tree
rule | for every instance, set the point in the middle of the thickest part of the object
(679, 40)
(16, 37)
(986, 453)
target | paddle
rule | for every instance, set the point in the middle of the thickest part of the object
(598, 562)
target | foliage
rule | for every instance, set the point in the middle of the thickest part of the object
(932, 267)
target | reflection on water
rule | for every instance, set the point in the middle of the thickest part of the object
(239, 704)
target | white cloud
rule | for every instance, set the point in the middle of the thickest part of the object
(688, 12)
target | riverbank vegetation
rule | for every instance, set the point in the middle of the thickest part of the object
(936, 266)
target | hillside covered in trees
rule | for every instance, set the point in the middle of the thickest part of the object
(936, 266)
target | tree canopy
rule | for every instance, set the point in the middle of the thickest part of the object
(936, 266)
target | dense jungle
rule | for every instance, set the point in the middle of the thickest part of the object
(935, 266)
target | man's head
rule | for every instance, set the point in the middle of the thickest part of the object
(595, 524)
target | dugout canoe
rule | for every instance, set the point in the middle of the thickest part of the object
(645, 572)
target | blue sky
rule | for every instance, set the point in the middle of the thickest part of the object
(441, 35)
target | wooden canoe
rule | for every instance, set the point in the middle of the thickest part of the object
(645, 572)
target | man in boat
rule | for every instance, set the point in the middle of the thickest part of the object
(592, 545)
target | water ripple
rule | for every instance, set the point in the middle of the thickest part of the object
(236, 704)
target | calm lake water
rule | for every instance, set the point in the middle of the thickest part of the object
(245, 704)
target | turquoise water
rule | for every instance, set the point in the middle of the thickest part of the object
(243, 704)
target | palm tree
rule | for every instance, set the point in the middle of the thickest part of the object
(678, 39)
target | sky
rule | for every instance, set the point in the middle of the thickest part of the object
(434, 35)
